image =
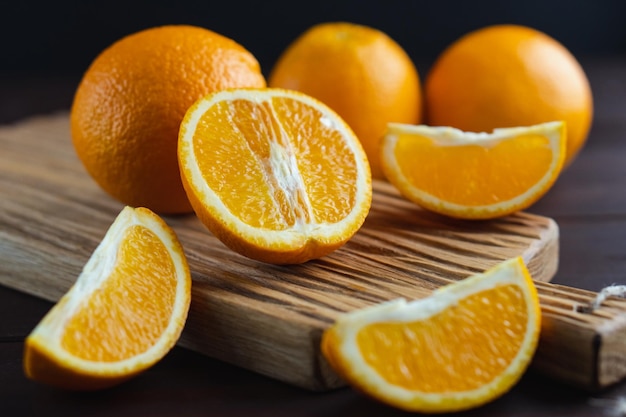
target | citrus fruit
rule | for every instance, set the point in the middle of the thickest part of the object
(276, 175)
(360, 72)
(465, 345)
(130, 102)
(123, 314)
(474, 175)
(507, 76)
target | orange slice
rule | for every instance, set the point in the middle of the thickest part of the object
(473, 175)
(276, 175)
(124, 313)
(465, 345)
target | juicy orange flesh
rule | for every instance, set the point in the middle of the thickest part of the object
(453, 351)
(269, 163)
(474, 175)
(130, 311)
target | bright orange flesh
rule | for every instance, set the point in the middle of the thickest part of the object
(304, 162)
(111, 326)
(488, 168)
(453, 351)
(275, 174)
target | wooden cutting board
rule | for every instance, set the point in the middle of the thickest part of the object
(269, 319)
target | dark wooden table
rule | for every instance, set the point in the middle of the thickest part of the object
(588, 202)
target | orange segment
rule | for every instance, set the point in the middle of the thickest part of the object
(275, 174)
(465, 345)
(123, 314)
(474, 175)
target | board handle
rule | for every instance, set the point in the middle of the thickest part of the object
(583, 336)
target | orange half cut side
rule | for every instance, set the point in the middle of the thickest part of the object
(276, 175)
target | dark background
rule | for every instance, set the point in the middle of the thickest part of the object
(62, 37)
(47, 46)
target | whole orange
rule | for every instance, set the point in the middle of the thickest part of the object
(129, 104)
(506, 76)
(358, 71)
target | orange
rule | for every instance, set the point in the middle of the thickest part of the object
(506, 76)
(465, 345)
(131, 100)
(360, 72)
(123, 314)
(275, 174)
(474, 175)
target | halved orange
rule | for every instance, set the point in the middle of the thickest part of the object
(465, 345)
(474, 175)
(126, 310)
(275, 174)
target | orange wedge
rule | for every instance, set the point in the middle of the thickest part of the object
(465, 345)
(276, 175)
(473, 175)
(124, 313)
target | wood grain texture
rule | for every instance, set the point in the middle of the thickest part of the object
(269, 319)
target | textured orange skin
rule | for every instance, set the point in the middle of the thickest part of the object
(506, 76)
(361, 73)
(128, 107)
